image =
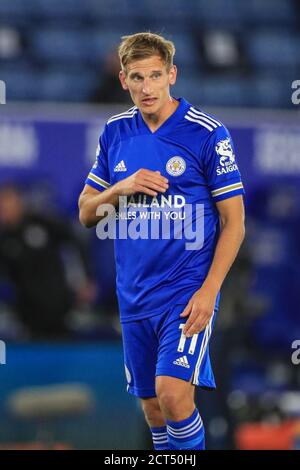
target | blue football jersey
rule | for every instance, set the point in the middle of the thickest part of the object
(195, 152)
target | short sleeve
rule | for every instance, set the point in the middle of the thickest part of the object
(99, 177)
(220, 166)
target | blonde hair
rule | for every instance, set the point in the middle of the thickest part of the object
(144, 45)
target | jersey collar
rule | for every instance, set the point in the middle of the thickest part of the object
(178, 114)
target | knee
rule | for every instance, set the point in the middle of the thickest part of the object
(170, 401)
(152, 412)
(176, 403)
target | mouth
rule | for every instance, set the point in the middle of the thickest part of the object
(149, 101)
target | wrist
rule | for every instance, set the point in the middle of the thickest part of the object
(115, 190)
(212, 285)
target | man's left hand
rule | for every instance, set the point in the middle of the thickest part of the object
(200, 310)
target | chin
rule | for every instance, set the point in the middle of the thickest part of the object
(150, 109)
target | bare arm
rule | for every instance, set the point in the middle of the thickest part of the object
(201, 305)
(143, 181)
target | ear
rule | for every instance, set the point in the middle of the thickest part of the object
(172, 75)
(122, 78)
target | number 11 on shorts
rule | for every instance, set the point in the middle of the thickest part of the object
(183, 340)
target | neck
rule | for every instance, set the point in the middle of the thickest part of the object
(155, 120)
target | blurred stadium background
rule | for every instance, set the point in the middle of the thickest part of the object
(63, 382)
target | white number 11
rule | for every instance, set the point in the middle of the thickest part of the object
(183, 340)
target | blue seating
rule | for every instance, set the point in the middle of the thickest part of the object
(270, 12)
(22, 83)
(81, 34)
(189, 88)
(187, 54)
(60, 9)
(57, 45)
(273, 49)
(116, 12)
(272, 92)
(219, 14)
(224, 91)
(69, 86)
(10, 9)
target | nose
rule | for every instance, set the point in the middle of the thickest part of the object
(146, 87)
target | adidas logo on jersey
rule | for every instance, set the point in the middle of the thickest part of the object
(182, 361)
(120, 166)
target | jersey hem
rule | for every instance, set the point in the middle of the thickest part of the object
(180, 300)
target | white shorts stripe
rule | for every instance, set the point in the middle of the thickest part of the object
(202, 351)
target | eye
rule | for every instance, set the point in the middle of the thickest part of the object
(156, 75)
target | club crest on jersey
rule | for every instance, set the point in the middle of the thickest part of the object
(227, 158)
(176, 166)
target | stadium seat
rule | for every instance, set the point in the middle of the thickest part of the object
(273, 49)
(187, 55)
(269, 12)
(218, 15)
(218, 91)
(179, 11)
(9, 9)
(61, 85)
(272, 92)
(58, 45)
(189, 88)
(60, 9)
(22, 83)
(120, 13)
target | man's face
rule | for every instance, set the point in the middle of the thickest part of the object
(148, 82)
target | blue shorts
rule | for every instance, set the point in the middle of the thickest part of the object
(156, 346)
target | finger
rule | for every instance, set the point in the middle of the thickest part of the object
(156, 186)
(190, 323)
(153, 174)
(196, 328)
(145, 190)
(187, 310)
(156, 181)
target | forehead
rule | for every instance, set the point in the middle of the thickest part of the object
(146, 65)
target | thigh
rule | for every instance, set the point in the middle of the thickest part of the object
(185, 358)
(140, 347)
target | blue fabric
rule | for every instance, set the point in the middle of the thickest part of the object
(155, 346)
(194, 151)
(187, 434)
(160, 438)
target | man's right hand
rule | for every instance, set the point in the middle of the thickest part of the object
(143, 181)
